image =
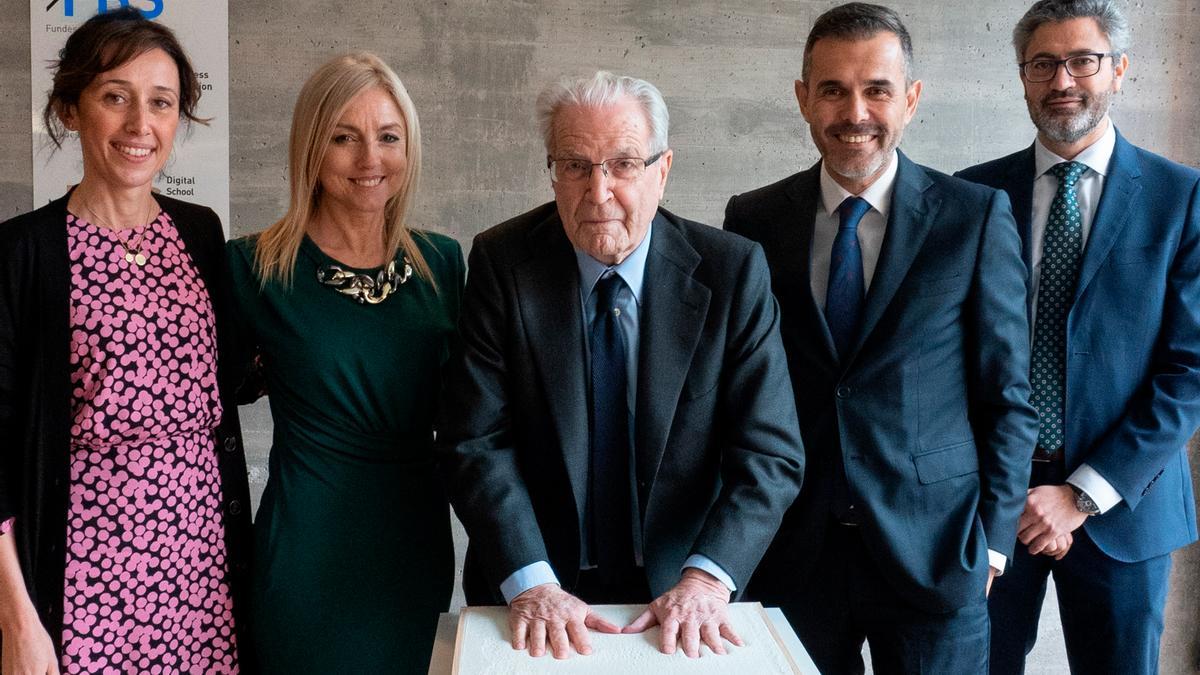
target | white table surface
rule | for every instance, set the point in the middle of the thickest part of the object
(443, 645)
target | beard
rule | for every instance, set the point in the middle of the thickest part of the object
(1068, 128)
(852, 165)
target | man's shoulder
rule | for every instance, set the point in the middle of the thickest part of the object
(992, 171)
(708, 241)
(950, 189)
(1162, 170)
(771, 195)
(513, 236)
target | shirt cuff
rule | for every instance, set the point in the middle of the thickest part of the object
(998, 561)
(705, 564)
(1100, 490)
(6, 526)
(527, 577)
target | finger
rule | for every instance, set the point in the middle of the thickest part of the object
(710, 634)
(689, 635)
(560, 646)
(728, 633)
(1040, 543)
(668, 637)
(518, 627)
(599, 623)
(645, 620)
(537, 637)
(578, 635)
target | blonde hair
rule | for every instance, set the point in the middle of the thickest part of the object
(319, 106)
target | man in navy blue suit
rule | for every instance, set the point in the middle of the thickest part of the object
(902, 298)
(1112, 236)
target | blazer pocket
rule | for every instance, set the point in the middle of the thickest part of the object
(937, 286)
(699, 384)
(950, 461)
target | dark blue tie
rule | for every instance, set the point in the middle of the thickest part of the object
(1062, 249)
(609, 490)
(844, 295)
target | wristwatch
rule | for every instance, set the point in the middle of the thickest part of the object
(1084, 503)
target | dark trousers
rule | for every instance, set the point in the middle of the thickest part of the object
(846, 601)
(1112, 611)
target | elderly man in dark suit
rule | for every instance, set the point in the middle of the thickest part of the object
(620, 426)
(1112, 235)
(902, 292)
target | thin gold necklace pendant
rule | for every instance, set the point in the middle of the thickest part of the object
(128, 256)
(139, 259)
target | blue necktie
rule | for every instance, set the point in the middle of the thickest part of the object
(609, 497)
(1061, 251)
(844, 296)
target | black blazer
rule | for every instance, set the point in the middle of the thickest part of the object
(718, 456)
(930, 410)
(35, 398)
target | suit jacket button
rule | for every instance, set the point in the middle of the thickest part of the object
(843, 391)
(235, 507)
(230, 443)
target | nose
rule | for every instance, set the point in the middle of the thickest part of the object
(368, 154)
(1062, 79)
(856, 108)
(136, 120)
(599, 186)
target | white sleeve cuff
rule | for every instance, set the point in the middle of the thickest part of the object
(1100, 490)
(527, 577)
(998, 561)
(705, 564)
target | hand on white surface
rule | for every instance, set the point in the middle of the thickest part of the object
(692, 612)
(547, 613)
(1049, 514)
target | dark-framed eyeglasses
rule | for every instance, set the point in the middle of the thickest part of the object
(1079, 65)
(570, 170)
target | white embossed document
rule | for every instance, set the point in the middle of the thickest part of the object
(482, 648)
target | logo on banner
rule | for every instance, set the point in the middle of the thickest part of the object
(152, 11)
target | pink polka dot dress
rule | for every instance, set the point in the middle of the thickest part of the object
(146, 588)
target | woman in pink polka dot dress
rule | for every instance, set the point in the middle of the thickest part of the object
(123, 492)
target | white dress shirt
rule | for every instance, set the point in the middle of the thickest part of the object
(871, 230)
(1087, 191)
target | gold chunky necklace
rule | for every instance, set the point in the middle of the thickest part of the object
(134, 254)
(364, 288)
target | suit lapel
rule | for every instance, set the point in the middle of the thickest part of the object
(548, 293)
(672, 318)
(1121, 187)
(1018, 183)
(805, 195)
(912, 214)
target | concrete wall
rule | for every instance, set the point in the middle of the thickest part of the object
(726, 69)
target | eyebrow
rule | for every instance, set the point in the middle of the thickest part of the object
(127, 83)
(870, 83)
(387, 127)
(1074, 52)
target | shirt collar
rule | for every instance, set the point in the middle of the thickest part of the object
(1094, 156)
(632, 269)
(877, 194)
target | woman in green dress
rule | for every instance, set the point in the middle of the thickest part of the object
(351, 314)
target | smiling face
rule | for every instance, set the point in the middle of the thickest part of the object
(126, 119)
(1068, 111)
(857, 105)
(367, 159)
(605, 217)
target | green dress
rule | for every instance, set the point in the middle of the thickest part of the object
(353, 557)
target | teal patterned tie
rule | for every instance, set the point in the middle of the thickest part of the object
(1061, 250)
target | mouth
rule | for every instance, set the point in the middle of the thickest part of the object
(367, 182)
(133, 151)
(854, 139)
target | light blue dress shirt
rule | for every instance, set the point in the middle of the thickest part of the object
(629, 299)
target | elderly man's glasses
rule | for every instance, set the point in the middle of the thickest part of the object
(1080, 65)
(617, 168)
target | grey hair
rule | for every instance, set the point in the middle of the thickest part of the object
(1107, 14)
(858, 21)
(601, 90)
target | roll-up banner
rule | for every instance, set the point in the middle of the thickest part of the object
(198, 169)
